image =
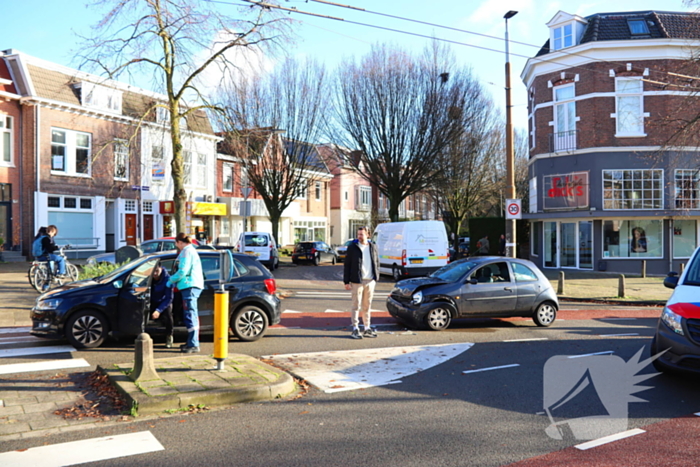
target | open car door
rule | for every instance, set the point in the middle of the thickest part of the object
(135, 299)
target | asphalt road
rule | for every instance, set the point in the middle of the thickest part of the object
(437, 417)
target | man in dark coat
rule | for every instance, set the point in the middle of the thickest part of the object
(360, 275)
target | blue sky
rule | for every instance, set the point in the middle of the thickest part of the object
(47, 29)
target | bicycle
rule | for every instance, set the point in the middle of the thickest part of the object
(43, 275)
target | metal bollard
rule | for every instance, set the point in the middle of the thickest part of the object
(621, 287)
(644, 268)
(682, 267)
(220, 327)
(561, 286)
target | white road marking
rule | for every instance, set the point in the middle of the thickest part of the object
(17, 340)
(528, 340)
(337, 371)
(321, 294)
(697, 413)
(14, 330)
(292, 311)
(609, 439)
(87, 450)
(42, 366)
(619, 335)
(491, 368)
(335, 311)
(35, 351)
(607, 352)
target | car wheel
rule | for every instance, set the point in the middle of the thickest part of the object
(317, 260)
(439, 317)
(545, 314)
(276, 263)
(86, 329)
(396, 273)
(249, 323)
(295, 261)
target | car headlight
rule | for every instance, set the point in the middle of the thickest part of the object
(672, 320)
(48, 304)
(417, 298)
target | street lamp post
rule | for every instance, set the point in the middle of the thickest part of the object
(510, 157)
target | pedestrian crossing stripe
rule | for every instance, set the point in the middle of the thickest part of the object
(24, 351)
(84, 451)
(42, 366)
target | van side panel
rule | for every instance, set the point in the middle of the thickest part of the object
(425, 244)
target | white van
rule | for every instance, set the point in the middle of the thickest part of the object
(414, 248)
(262, 246)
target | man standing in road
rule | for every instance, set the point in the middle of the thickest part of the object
(360, 275)
(190, 281)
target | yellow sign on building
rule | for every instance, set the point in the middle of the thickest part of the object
(209, 209)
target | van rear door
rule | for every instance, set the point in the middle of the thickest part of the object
(426, 248)
(258, 245)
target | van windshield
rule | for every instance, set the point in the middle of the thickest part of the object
(692, 276)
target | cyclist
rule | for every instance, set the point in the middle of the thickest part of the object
(49, 247)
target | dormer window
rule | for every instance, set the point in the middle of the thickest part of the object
(563, 37)
(638, 27)
(100, 97)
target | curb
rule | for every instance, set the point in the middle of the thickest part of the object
(244, 379)
(646, 303)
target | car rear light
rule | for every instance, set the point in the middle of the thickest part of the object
(403, 257)
(271, 286)
(448, 256)
(313, 251)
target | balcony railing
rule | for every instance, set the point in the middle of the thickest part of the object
(563, 141)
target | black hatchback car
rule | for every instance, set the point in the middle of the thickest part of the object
(315, 252)
(117, 304)
(483, 287)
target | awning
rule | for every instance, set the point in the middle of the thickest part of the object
(209, 209)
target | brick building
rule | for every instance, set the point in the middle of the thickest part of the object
(606, 188)
(94, 157)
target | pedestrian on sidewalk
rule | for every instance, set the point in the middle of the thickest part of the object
(162, 302)
(361, 273)
(502, 245)
(190, 281)
(483, 246)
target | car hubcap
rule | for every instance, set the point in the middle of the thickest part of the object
(87, 329)
(251, 324)
(397, 275)
(546, 314)
(438, 318)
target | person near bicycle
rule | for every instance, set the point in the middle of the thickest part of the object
(49, 247)
(162, 302)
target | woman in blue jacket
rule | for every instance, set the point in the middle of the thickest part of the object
(190, 281)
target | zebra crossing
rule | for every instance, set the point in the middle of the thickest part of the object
(17, 342)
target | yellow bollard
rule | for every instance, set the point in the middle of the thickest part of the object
(220, 327)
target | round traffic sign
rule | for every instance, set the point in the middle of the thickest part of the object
(513, 209)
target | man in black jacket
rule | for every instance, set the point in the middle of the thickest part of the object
(360, 275)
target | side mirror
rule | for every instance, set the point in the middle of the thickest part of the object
(671, 280)
(117, 284)
(472, 281)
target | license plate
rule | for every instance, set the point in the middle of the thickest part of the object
(416, 261)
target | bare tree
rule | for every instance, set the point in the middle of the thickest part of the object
(400, 112)
(291, 100)
(176, 41)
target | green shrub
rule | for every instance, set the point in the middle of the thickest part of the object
(95, 270)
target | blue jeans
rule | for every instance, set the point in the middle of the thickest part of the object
(60, 261)
(191, 315)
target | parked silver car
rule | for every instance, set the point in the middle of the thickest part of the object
(482, 287)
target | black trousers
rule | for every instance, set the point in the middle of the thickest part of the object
(166, 317)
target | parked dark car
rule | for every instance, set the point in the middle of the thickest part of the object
(483, 287)
(86, 312)
(678, 329)
(342, 250)
(315, 252)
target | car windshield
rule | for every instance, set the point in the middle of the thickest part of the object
(453, 271)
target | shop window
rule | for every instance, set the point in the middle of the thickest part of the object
(536, 238)
(633, 239)
(632, 189)
(684, 238)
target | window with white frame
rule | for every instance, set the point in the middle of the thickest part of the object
(225, 227)
(101, 97)
(364, 198)
(532, 118)
(318, 190)
(6, 139)
(130, 205)
(245, 182)
(75, 219)
(157, 164)
(629, 106)
(227, 177)
(162, 115)
(187, 167)
(564, 118)
(147, 206)
(633, 189)
(201, 170)
(70, 152)
(302, 188)
(685, 234)
(563, 36)
(121, 161)
(686, 185)
(639, 238)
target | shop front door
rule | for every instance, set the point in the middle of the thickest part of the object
(130, 229)
(147, 227)
(6, 224)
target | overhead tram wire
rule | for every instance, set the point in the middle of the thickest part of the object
(364, 10)
(399, 31)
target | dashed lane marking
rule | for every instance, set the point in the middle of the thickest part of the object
(513, 365)
(81, 452)
(609, 439)
(24, 351)
(42, 366)
(619, 335)
(528, 340)
(607, 352)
